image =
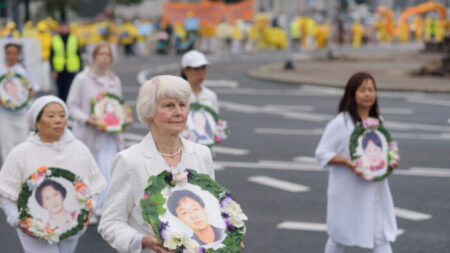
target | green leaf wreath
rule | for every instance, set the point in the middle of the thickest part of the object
(7, 103)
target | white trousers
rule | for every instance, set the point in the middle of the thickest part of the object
(13, 131)
(105, 158)
(334, 247)
(33, 245)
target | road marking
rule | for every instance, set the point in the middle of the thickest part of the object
(221, 83)
(283, 131)
(411, 215)
(395, 111)
(305, 159)
(296, 166)
(142, 76)
(230, 151)
(278, 184)
(428, 101)
(415, 126)
(133, 137)
(314, 227)
(246, 108)
(307, 226)
(304, 108)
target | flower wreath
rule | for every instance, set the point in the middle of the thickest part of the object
(393, 158)
(125, 122)
(221, 131)
(7, 103)
(37, 226)
(152, 207)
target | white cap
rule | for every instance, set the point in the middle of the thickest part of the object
(193, 59)
(39, 104)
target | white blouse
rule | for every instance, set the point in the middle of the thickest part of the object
(351, 205)
(121, 221)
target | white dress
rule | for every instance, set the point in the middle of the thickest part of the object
(359, 213)
(13, 124)
(68, 153)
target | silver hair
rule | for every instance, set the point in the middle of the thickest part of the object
(164, 86)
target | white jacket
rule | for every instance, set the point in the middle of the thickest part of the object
(351, 199)
(121, 218)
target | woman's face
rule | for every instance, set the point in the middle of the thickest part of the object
(12, 55)
(365, 95)
(103, 58)
(373, 153)
(52, 123)
(52, 200)
(191, 213)
(195, 76)
(170, 115)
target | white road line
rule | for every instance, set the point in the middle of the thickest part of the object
(133, 137)
(278, 184)
(411, 215)
(221, 83)
(296, 166)
(308, 226)
(304, 108)
(305, 159)
(314, 227)
(415, 126)
(282, 131)
(400, 111)
(230, 151)
(428, 101)
(246, 108)
(143, 75)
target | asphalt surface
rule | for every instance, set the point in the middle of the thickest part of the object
(275, 128)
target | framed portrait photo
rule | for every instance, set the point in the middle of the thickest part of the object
(15, 91)
(373, 150)
(190, 212)
(54, 204)
(112, 113)
(205, 126)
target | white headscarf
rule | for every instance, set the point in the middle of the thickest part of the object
(39, 105)
(34, 111)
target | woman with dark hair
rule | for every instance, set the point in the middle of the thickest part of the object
(359, 213)
(50, 195)
(373, 150)
(189, 208)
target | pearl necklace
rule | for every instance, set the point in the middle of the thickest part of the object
(171, 155)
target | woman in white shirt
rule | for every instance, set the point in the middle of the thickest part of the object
(87, 85)
(194, 65)
(162, 106)
(359, 213)
(51, 145)
(13, 124)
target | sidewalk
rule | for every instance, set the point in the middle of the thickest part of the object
(391, 65)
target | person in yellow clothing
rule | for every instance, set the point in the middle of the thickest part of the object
(10, 31)
(45, 37)
(253, 38)
(440, 30)
(65, 60)
(295, 33)
(128, 33)
(357, 34)
(428, 28)
(237, 36)
(28, 30)
(418, 22)
(404, 29)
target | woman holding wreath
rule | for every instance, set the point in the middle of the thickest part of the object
(13, 125)
(359, 213)
(87, 85)
(51, 145)
(162, 105)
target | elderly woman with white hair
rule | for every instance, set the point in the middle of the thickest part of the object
(162, 105)
(51, 145)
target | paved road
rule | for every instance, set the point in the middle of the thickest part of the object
(268, 164)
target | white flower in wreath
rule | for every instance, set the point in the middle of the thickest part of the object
(176, 238)
(234, 210)
(180, 176)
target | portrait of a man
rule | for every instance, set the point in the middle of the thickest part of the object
(190, 209)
